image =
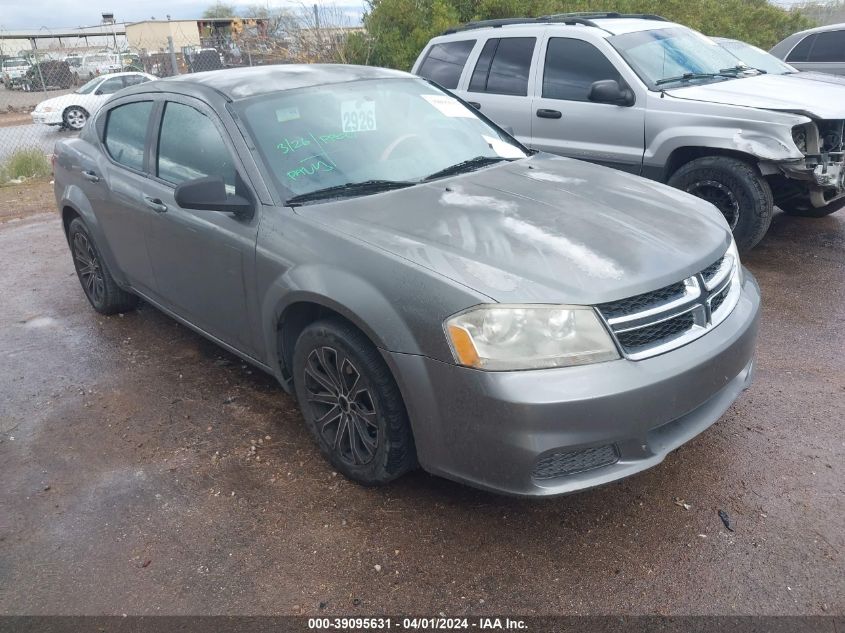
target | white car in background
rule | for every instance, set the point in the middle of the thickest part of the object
(72, 110)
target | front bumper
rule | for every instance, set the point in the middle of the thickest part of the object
(47, 118)
(490, 429)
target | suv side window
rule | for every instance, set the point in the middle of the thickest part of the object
(828, 47)
(802, 50)
(445, 62)
(503, 66)
(571, 68)
(190, 146)
(126, 133)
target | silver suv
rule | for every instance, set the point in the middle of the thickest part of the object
(656, 99)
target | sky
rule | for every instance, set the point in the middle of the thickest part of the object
(34, 14)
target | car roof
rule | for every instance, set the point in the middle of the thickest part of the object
(242, 83)
(819, 29)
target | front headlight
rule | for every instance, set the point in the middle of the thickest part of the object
(503, 337)
(45, 109)
(733, 253)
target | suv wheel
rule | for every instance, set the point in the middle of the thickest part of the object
(351, 403)
(99, 286)
(74, 117)
(736, 189)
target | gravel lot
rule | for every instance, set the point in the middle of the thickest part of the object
(130, 485)
(21, 100)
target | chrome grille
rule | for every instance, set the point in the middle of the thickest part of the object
(571, 462)
(711, 271)
(654, 334)
(655, 322)
(640, 302)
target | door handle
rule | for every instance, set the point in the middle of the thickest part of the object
(90, 176)
(475, 104)
(543, 113)
(155, 204)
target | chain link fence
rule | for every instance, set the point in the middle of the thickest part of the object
(48, 92)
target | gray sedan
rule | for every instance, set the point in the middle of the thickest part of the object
(432, 292)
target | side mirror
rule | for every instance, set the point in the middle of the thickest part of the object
(209, 194)
(508, 129)
(610, 91)
(98, 91)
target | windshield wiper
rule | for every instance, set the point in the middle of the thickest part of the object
(687, 77)
(348, 189)
(466, 165)
(739, 68)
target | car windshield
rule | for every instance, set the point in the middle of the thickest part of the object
(88, 87)
(757, 58)
(74, 61)
(15, 63)
(371, 133)
(676, 56)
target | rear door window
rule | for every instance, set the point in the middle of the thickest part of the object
(126, 133)
(445, 62)
(802, 50)
(828, 47)
(571, 68)
(110, 86)
(503, 66)
(133, 80)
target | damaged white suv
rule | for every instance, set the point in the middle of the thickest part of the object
(657, 99)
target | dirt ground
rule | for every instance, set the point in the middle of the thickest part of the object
(28, 198)
(130, 485)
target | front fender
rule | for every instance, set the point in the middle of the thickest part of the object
(351, 296)
(673, 124)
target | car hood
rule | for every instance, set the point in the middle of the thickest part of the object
(545, 229)
(823, 77)
(784, 93)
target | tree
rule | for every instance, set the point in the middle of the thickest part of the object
(397, 30)
(219, 10)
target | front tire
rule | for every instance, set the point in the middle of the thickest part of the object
(351, 403)
(105, 296)
(736, 189)
(74, 118)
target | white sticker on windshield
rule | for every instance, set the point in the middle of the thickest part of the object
(449, 106)
(503, 149)
(358, 115)
(287, 114)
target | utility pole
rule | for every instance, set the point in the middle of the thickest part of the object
(317, 28)
(173, 65)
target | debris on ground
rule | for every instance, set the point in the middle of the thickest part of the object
(682, 503)
(726, 519)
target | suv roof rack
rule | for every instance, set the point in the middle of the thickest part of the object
(599, 15)
(584, 19)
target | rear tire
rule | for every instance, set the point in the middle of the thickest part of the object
(105, 296)
(736, 189)
(351, 403)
